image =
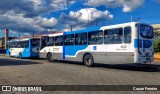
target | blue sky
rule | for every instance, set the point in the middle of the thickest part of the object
(26, 17)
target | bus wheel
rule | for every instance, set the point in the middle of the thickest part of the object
(49, 57)
(88, 60)
(20, 55)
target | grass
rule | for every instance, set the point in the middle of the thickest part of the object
(157, 56)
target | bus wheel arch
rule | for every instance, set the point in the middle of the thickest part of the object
(88, 60)
(49, 57)
(9, 53)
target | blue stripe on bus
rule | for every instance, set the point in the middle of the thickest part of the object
(26, 52)
(7, 51)
(136, 43)
(146, 43)
(72, 50)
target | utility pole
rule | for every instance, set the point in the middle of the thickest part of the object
(19, 36)
(139, 20)
(33, 35)
(71, 28)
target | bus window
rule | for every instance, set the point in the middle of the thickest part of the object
(81, 39)
(18, 44)
(146, 31)
(8, 45)
(35, 42)
(50, 41)
(95, 37)
(127, 35)
(59, 40)
(113, 36)
(69, 39)
(24, 44)
(44, 41)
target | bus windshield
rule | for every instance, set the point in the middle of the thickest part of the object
(146, 31)
(35, 42)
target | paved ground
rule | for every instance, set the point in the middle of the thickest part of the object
(14, 71)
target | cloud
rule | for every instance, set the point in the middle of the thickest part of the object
(128, 5)
(18, 23)
(90, 14)
(26, 15)
(32, 8)
(84, 18)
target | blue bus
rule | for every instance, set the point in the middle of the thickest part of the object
(23, 48)
(115, 44)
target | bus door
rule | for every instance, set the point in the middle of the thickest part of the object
(145, 41)
(43, 41)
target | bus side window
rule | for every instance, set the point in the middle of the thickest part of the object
(95, 37)
(113, 36)
(59, 40)
(51, 41)
(127, 35)
(69, 39)
(27, 44)
(81, 39)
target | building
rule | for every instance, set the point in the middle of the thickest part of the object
(156, 31)
(156, 27)
(2, 41)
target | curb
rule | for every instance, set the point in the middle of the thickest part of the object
(2, 54)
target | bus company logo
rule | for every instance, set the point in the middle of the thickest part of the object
(6, 88)
(94, 48)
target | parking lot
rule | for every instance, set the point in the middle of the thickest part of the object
(14, 71)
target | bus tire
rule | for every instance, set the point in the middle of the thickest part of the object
(49, 57)
(88, 60)
(20, 55)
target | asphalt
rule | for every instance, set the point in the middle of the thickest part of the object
(14, 71)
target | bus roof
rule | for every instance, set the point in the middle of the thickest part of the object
(55, 34)
(23, 39)
(83, 30)
(96, 28)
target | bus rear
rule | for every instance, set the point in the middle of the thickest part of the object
(23, 48)
(144, 44)
(34, 47)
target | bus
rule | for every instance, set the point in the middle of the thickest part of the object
(115, 44)
(23, 48)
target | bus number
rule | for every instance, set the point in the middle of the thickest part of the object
(124, 46)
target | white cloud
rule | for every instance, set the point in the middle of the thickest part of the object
(128, 5)
(19, 23)
(50, 23)
(90, 14)
(83, 18)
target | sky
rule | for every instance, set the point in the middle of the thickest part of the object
(26, 17)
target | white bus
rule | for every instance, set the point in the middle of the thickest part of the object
(115, 44)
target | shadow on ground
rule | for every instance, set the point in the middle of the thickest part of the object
(130, 67)
(14, 62)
